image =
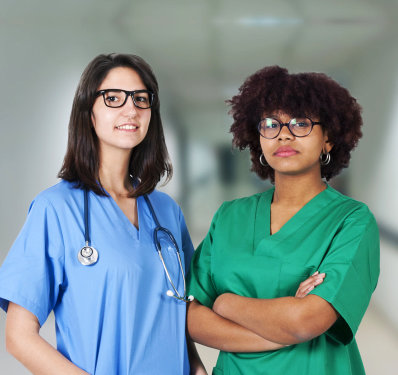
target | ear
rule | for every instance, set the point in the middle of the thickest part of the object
(327, 146)
(92, 119)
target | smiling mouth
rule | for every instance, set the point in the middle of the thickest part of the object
(126, 127)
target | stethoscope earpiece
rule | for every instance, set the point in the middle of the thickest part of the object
(189, 298)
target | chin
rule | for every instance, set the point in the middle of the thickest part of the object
(297, 171)
(288, 169)
(128, 145)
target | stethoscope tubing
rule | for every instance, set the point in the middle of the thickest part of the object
(158, 229)
(86, 228)
(88, 255)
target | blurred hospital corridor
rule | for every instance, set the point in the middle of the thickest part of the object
(201, 52)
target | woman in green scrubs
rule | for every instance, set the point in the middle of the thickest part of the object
(300, 130)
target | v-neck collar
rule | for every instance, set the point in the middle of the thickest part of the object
(127, 223)
(263, 215)
(262, 218)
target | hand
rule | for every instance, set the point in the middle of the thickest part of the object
(307, 285)
(198, 370)
(195, 362)
(197, 367)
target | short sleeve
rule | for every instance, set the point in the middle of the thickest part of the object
(32, 273)
(352, 267)
(200, 282)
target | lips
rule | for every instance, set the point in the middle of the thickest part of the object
(127, 127)
(285, 151)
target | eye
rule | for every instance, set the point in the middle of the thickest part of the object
(114, 97)
(141, 99)
(270, 123)
(300, 123)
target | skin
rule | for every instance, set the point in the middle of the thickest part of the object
(23, 340)
(116, 144)
(301, 170)
(285, 320)
(209, 328)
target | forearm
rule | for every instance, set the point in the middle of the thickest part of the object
(27, 346)
(196, 365)
(208, 328)
(286, 320)
(40, 358)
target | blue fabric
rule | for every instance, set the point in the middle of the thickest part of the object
(113, 317)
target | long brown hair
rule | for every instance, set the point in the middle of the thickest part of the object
(149, 160)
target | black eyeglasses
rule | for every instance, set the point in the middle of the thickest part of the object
(299, 127)
(116, 98)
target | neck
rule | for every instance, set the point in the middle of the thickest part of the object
(114, 172)
(297, 190)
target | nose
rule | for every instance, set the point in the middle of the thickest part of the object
(285, 132)
(129, 107)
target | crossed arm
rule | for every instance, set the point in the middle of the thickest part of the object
(242, 324)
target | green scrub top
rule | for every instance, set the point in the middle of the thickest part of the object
(333, 234)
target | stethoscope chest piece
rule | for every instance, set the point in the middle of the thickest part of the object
(87, 255)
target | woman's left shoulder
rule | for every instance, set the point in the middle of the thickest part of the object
(163, 200)
(352, 207)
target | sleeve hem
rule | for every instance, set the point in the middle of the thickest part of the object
(347, 337)
(32, 307)
(201, 297)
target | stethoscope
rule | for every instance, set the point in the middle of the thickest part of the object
(88, 255)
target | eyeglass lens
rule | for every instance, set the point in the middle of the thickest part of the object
(117, 99)
(270, 127)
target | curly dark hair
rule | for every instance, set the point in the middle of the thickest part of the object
(313, 95)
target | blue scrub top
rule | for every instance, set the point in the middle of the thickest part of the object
(113, 317)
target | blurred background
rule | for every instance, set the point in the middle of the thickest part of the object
(201, 52)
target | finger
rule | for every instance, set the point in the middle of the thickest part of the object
(312, 287)
(303, 292)
(306, 283)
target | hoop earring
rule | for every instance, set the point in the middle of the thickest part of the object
(325, 158)
(263, 163)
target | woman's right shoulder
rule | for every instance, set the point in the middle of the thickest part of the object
(57, 195)
(241, 206)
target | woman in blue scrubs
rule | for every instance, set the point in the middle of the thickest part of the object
(112, 316)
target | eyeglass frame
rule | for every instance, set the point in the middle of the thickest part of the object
(128, 93)
(282, 124)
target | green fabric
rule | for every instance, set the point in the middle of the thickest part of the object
(333, 234)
